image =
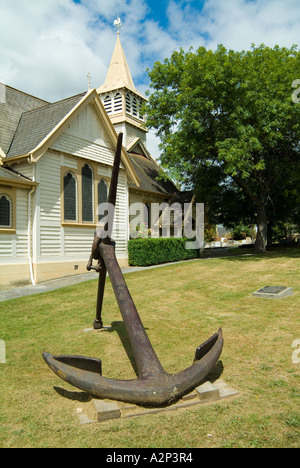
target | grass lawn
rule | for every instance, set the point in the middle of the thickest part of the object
(181, 305)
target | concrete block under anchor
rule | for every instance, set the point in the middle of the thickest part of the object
(106, 411)
(208, 392)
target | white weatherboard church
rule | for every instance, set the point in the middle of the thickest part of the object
(55, 168)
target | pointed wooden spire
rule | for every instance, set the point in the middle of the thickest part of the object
(118, 75)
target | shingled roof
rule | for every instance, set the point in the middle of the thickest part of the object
(25, 121)
(36, 124)
(148, 172)
(16, 103)
(11, 176)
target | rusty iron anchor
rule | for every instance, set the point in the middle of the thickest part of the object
(154, 386)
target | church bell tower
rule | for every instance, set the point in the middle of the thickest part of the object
(121, 99)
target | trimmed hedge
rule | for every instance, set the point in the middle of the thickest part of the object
(152, 251)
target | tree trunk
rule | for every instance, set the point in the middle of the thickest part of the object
(269, 237)
(262, 231)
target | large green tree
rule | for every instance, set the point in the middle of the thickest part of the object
(228, 124)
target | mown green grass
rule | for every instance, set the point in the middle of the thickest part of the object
(181, 305)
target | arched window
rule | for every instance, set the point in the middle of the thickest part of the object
(118, 103)
(102, 197)
(87, 194)
(5, 211)
(107, 104)
(147, 215)
(70, 197)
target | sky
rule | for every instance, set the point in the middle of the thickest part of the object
(47, 47)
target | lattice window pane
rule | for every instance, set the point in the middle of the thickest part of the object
(70, 204)
(102, 196)
(87, 194)
(5, 211)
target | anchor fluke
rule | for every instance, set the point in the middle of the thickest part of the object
(206, 346)
(155, 389)
(154, 386)
(78, 362)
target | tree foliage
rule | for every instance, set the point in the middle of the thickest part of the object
(229, 128)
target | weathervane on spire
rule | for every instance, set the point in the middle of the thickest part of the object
(118, 24)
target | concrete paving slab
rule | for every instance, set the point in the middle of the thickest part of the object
(273, 292)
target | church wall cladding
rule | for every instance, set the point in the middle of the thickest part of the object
(53, 241)
(48, 217)
(14, 244)
(65, 239)
(146, 199)
(133, 132)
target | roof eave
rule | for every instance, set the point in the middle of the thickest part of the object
(2, 156)
(17, 183)
(105, 89)
(151, 192)
(134, 143)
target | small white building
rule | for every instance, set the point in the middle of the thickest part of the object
(55, 169)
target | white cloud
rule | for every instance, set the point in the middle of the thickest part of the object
(48, 47)
(238, 23)
(152, 144)
(45, 47)
(185, 24)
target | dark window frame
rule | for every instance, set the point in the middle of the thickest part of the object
(101, 198)
(87, 194)
(68, 203)
(6, 212)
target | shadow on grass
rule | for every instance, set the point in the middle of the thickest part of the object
(119, 327)
(83, 397)
(248, 255)
(215, 373)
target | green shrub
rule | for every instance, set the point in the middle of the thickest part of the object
(152, 251)
(240, 231)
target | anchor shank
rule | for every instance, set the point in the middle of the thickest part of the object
(108, 230)
(146, 359)
(112, 195)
